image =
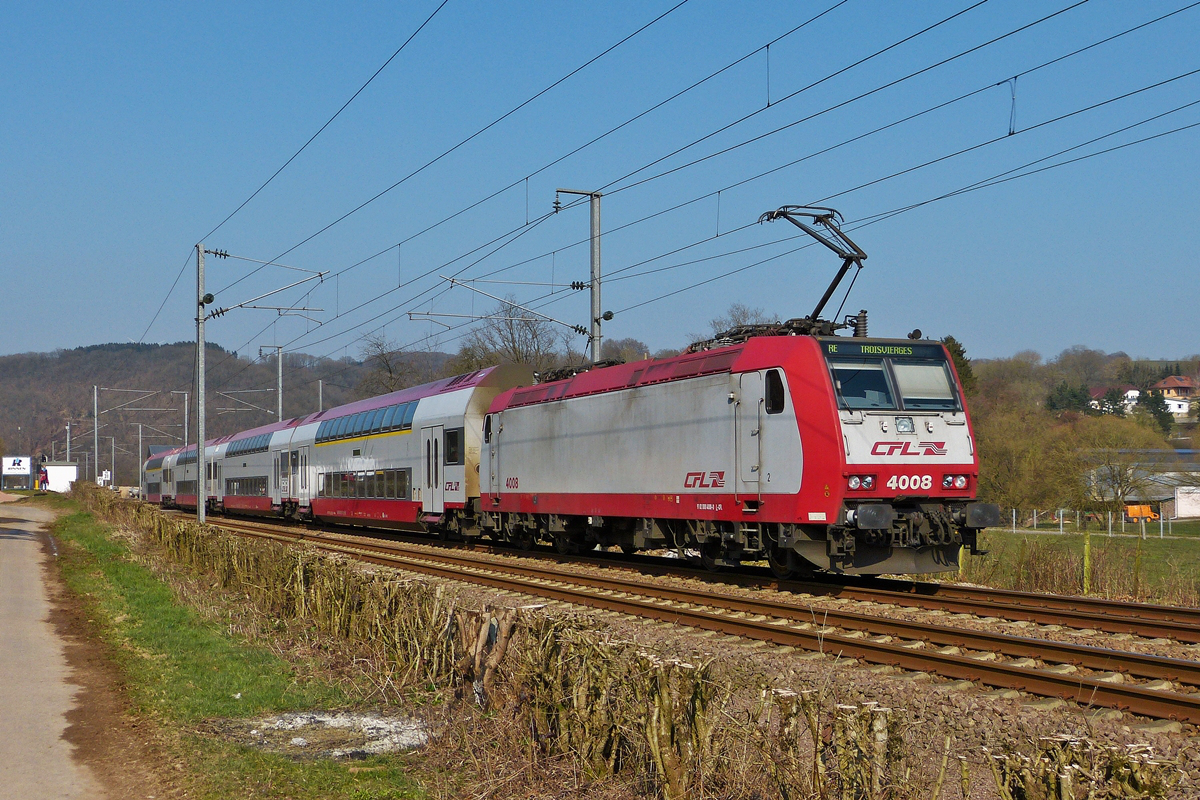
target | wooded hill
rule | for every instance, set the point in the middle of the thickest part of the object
(39, 392)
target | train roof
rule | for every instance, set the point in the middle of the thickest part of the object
(691, 365)
(488, 376)
(624, 376)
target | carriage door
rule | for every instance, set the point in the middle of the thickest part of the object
(748, 432)
(433, 494)
(300, 475)
(491, 435)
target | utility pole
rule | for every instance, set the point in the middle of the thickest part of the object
(320, 396)
(68, 441)
(279, 363)
(96, 430)
(112, 477)
(596, 315)
(202, 300)
(139, 459)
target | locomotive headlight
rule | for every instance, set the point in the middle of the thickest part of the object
(947, 481)
(905, 425)
(857, 482)
(960, 481)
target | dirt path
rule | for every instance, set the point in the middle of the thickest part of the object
(64, 730)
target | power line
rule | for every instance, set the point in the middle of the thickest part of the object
(289, 161)
(892, 83)
(473, 136)
(600, 137)
(827, 110)
(329, 121)
(876, 218)
(986, 183)
(794, 94)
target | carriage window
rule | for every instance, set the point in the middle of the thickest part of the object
(410, 410)
(453, 448)
(775, 396)
(389, 417)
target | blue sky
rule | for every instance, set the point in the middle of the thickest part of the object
(131, 130)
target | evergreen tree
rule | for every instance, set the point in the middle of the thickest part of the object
(1066, 397)
(1154, 405)
(1113, 402)
(962, 364)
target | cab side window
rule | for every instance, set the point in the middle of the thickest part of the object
(775, 395)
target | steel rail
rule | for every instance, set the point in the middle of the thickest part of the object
(1085, 690)
(1146, 620)
(1089, 657)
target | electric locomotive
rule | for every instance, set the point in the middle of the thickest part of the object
(784, 443)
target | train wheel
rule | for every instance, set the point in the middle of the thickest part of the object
(628, 549)
(564, 545)
(710, 556)
(780, 562)
(523, 540)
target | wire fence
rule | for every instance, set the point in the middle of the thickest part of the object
(1143, 521)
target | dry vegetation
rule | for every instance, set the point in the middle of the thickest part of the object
(529, 703)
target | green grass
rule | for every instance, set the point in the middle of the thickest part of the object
(182, 669)
(1157, 570)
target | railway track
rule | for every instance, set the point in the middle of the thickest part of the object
(1146, 620)
(951, 652)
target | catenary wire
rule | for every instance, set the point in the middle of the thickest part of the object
(470, 138)
(1040, 66)
(821, 80)
(289, 161)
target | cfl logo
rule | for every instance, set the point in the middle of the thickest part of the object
(704, 480)
(907, 449)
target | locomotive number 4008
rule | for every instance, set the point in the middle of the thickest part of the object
(905, 482)
(511, 483)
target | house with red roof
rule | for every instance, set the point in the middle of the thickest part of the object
(1176, 386)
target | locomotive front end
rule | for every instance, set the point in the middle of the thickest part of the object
(910, 471)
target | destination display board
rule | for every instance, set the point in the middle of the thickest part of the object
(849, 347)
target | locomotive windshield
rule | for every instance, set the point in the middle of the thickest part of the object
(925, 385)
(862, 383)
(909, 378)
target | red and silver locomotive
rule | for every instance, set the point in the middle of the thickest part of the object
(846, 454)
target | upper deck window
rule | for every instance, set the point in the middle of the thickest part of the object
(862, 383)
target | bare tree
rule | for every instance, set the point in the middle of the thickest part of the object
(737, 315)
(509, 335)
(626, 350)
(1113, 454)
(390, 367)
